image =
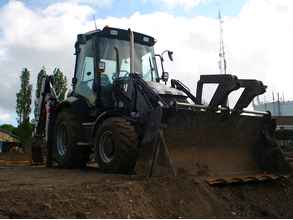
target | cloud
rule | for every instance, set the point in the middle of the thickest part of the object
(185, 4)
(258, 42)
(44, 29)
(35, 38)
(5, 117)
(2, 54)
(93, 3)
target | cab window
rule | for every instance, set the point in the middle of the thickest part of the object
(85, 72)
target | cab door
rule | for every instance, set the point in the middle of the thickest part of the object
(86, 72)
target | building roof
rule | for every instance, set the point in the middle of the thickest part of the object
(277, 108)
(6, 136)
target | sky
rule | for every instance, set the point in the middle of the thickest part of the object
(257, 34)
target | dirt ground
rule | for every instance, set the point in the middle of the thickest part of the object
(40, 192)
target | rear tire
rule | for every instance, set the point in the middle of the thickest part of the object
(116, 144)
(66, 134)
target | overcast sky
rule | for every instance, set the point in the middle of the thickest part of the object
(258, 37)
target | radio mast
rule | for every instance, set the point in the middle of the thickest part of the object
(222, 55)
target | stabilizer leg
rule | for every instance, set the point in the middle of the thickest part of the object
(160, 157)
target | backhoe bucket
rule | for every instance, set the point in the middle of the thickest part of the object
(220, 146)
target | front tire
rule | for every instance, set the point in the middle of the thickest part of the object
(66, 134)
(116, 146)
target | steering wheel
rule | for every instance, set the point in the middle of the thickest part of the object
(115, 75)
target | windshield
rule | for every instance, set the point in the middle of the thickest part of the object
(144, 61)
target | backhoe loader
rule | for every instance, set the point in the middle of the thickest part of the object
(122, 111)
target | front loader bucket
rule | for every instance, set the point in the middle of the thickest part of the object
(220, 146)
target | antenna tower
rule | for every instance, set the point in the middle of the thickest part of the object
(94, 20)
(222, 55)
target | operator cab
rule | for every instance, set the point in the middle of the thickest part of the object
(103, 56)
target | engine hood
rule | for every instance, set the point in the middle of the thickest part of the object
(162, 89)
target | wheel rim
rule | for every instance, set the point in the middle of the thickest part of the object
(62, 140)
(106, 147)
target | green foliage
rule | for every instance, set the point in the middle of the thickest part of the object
(24, 98)
(24, 134)
(41, 74)
(23, 108)
(8, 127)
(60, 83)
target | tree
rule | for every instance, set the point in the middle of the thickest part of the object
(24, 98)
(24, 134)
(41, 74)
(60, 83)
(8, 127)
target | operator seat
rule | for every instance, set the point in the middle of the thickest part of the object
(106, 91)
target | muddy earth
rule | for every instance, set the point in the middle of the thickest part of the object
(40, 192)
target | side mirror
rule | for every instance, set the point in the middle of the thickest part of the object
(165, 77)
(170, 55)
(102, 67)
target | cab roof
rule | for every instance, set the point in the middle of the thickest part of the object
(116, 33)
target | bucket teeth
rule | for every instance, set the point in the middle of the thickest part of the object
(242, 179)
